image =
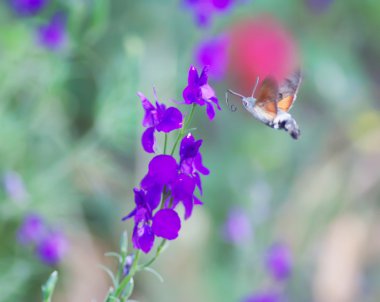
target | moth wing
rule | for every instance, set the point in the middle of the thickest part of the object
(287, 92)
(266, 98)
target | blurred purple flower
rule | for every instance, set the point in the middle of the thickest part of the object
(53, 34)
(205, 9)
(158, 118)
(213, 53)
(32, 230)
(279, 261)
(27, 7)
(237, 228)
(319, 6)
(128, 264)
(52, 248)
(267, 296)
(14, 186)
(222, 4)
(199, 92)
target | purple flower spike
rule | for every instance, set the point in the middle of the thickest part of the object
(213, 53)
(237, 228)
(279, 261)
(27, 7)
(199, 92)
(166, 224)
(52, 248)
(268, 296)
(32, 230)
(53, 35)
(158, 118)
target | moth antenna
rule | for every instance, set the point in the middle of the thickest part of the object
(155, 93)
(231, 107)
(254, 88)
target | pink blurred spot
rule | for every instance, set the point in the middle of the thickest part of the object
(261, 47)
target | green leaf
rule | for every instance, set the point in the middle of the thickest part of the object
(48, 287)
(154, 272)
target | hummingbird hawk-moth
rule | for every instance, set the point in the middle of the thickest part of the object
(273, 102)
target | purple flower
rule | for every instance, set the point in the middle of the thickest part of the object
(158, 118)
(53, 34)
(52, 248)
(32, 230)
(237, 228)
(191, 158)
(319, 6)
(267, 296)
(279, 261)
(14, 186)
(27, 7)
(213, 53)
(188, 178)
(199, 92)
(165, 223)
(202, 9)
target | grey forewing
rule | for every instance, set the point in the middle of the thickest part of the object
(290, 85)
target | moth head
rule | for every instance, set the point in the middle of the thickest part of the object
(249, 102)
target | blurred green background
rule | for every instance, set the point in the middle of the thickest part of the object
(70, 126)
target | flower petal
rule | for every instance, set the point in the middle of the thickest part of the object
(192, 79)
(143, 237)
(183, 187)
(193, 94)
(199, 165)
(207, 92)
(204, 77)
(148, 140)
(148, 120)
(171, 120)
(216, 102)
(210, 111)
(166, 224)
(130, 215)
(197, 201)
(163, 169)
(189, 147)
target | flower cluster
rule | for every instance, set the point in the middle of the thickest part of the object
(170, 182)
(205, 9)
(51, 35)
(279, 266)
(50, 246)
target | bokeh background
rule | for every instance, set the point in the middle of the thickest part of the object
(70, 151)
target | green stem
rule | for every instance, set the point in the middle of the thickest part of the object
(166, 142)
(128, 278)
(158, 252)
(184, 128)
